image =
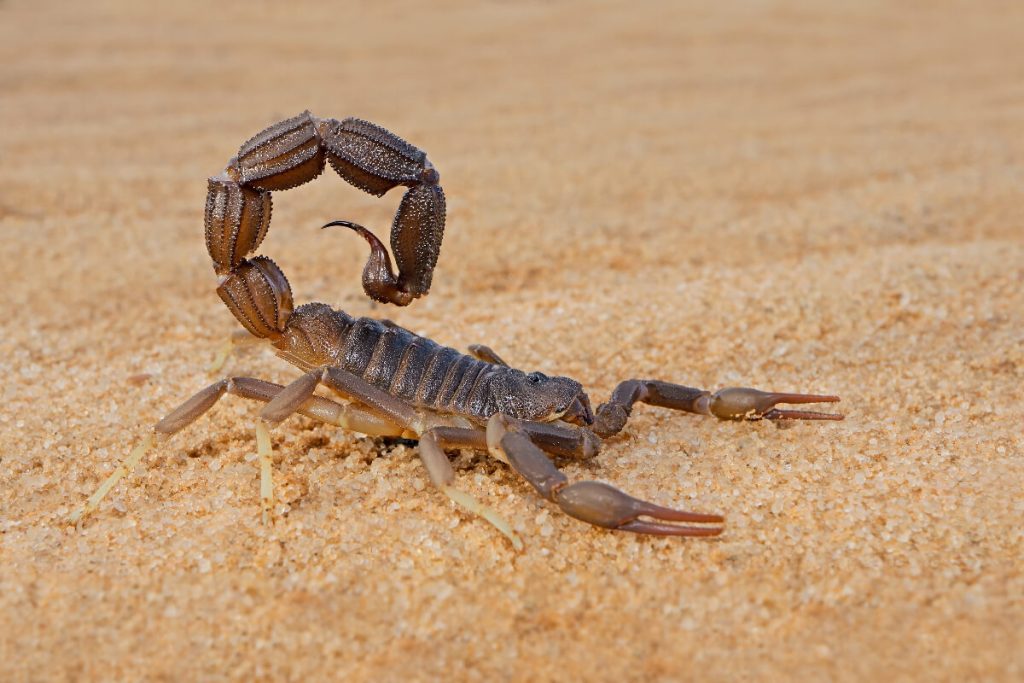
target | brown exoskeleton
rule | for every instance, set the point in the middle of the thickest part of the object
(396, 383)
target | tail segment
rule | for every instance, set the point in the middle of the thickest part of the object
(293, 152)
(258, 294)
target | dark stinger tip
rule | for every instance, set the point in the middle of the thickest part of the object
(376, 246)
(343, 224)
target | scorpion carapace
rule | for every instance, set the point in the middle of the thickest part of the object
(397, 383)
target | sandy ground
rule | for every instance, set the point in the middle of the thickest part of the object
(769, 194)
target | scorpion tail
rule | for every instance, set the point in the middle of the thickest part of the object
(237, 217)
(379, 279)
(295, 151)
(259, 296)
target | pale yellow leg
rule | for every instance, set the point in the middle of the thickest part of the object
(265, 452)
(349, 417)
(474, 506)
(237, 338)
(123, 469)
(442, 476)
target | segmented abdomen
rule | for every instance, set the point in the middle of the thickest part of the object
(393, 359)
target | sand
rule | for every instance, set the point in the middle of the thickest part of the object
(776, 195)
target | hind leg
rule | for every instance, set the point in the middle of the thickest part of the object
(354, 418)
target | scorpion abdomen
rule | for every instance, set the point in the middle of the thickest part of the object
(391, 358)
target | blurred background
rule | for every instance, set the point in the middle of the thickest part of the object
(796, 195)
(580, 136)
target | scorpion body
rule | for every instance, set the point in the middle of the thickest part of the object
(412, 368)
(395, 382)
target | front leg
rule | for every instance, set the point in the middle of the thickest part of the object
(726, 404)
(592, 502)
(439, 469)
(486, 354)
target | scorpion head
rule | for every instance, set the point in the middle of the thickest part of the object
(535, 396)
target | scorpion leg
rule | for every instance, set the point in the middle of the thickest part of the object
(236, 338)
(565, 441)
(571, 442)
(726, 404)
(431, 447)
(287, 402)
(486, 354)
(593, 502)
(432, 441)
(316, 407)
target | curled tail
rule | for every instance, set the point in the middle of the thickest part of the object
(293, 152)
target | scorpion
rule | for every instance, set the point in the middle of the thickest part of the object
(395, 383)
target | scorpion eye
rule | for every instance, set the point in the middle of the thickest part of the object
(536, 377)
